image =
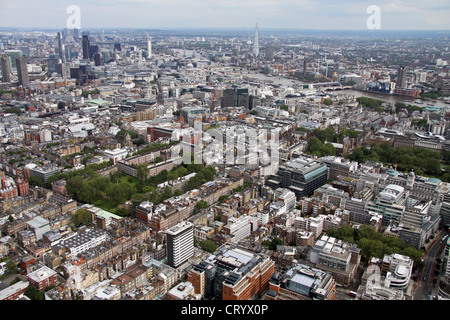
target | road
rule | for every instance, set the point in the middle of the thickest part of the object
(426, 284)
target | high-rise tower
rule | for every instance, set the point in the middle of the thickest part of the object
(256, 43)
(61, 52)
(86, 46)
(401, 77)
(180, 243)
(149, 47)
(22, 71)
(6, 70)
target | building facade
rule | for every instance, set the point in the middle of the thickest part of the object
(180, 243)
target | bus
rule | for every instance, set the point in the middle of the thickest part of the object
(352, 294)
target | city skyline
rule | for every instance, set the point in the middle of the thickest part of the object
(176, 151)
(284, 14)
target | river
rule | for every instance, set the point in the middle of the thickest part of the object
(357, 93)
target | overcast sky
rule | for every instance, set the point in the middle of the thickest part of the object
(165, 14)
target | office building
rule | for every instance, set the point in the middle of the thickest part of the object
(337, 257)
(444, 211)
(86, 47)
(401, 77)
(444, 277)
(52, 61)
(397, 270)
(256, 43)
(240, 228)
(301, 175)
(6, 70)
(235, 97)
(180, 243)
(13, 55)
(338, 166)
(149, 48)
(302, 282)
(190, 114)
(97, 59)
(287, 197)
(144, 211)
(14, 291)
(232, 273)
(62, 69)
(82, 241)
(42, 278)
(39, 226)
(44, 172)
(390, 203)
(22, 71)
(183, 291)
(60, 48)
(93, 49)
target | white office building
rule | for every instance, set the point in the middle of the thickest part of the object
(180, 243)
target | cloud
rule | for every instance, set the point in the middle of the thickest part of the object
(305, 14)
(399, 7)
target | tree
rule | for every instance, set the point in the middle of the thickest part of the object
(120, 192)
(101, 183)
(15, 110)
(178, 192)
(208, 245)
(34, 181)
(350, 83)
(88, 193)
(33, 293)
(316, 147)
(328, 101)
(167, 193)
(202, 204)
(11, 266)
(74, 185)
(193, 182)
(222, 198)
(375, 244)
(142, 171)
(155, 197)
(82, 217)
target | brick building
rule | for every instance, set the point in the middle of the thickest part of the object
(232, 273)
(15, 291)
(42, 278)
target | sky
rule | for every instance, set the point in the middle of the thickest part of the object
(269, 14)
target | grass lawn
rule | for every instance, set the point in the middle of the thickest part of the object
(106, 204)
(130, 179)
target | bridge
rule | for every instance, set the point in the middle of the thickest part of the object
(330, 86)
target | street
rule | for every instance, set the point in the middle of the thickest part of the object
(426, 285)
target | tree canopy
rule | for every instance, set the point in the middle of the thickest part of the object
(422, 161)
(81, 217)
(375, 244)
